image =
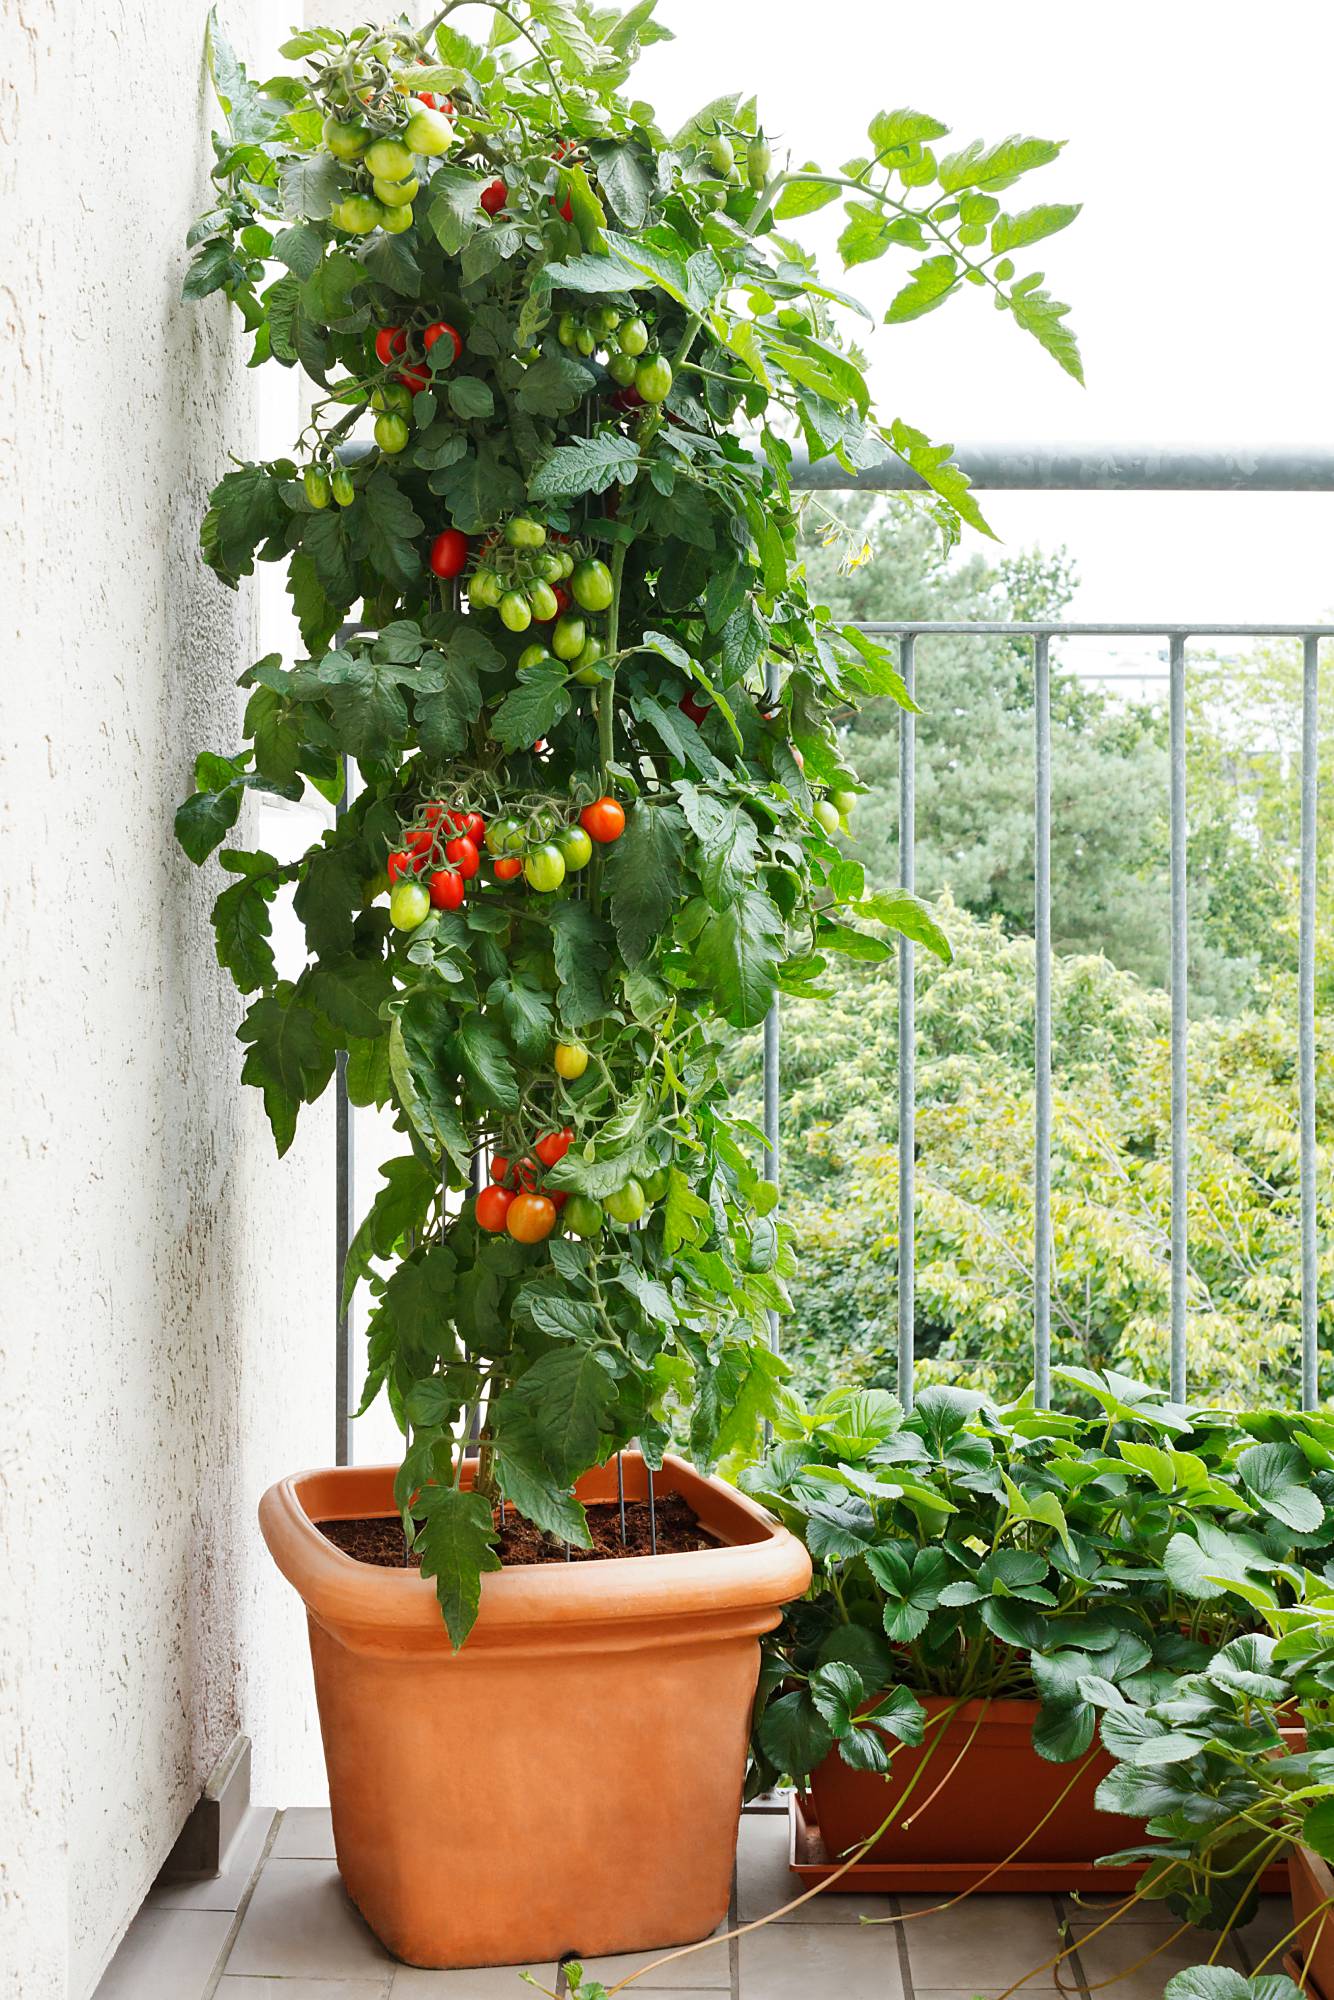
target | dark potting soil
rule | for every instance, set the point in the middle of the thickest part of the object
(379, 1538)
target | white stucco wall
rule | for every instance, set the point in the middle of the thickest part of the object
(165, 1342)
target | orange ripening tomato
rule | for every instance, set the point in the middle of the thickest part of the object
(507, 866)
(531, 1218)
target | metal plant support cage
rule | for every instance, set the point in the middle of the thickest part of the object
(1029, 468)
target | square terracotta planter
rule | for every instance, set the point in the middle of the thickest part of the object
(570, 1780)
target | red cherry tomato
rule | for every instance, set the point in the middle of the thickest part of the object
(525, 1172)
(474, 826)
(415, 379)
(565, 210)
(563, 599)
(494, 197)
(603, 821)
(507, 867)
(464, 856)
(390, 342)
(399, 864)
(436, 330)
(628, 399)
(553, 1146)
(446, 889)
(696, 710)
(558, 1198)
(449, 552)
(420, 841)
(491, 1208)
(434, 813)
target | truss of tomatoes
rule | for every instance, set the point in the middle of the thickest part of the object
(442, 852)
(516, 1202)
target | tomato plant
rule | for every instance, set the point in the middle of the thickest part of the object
(565, 369)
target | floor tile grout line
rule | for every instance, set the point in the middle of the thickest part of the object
(1064, 1931)
(219, 1970)
(901, 1943)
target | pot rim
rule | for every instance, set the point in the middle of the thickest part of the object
(739, 1585)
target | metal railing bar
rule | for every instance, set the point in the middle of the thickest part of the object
(907, 1029)
(1042, 1022)
(772, 1058)
(899, 628)
(1306, 1024)
(1180, 941)
(1097, 467)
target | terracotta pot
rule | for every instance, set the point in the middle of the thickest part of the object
(570, 1780)
(990, 1802)
(1311, 1957)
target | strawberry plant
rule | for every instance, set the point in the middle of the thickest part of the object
(539, 536)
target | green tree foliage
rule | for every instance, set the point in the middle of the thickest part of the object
(1109, 763)
(1111, 1176)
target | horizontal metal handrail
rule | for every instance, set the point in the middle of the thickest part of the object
(1097, 467)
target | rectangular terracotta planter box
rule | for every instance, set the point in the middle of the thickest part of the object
(990, 1804)
(570, 1780)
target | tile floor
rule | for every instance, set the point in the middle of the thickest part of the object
(277, 1926)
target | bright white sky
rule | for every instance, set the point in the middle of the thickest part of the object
(1199, 272)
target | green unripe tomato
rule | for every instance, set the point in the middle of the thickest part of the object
(392, 396)
(389, 160)
(531, 656)
(626, 1204)
(395, 194)
(484, 590)
(653, 378)
(357, 214)
(549, 566)
(586, 665)
(759, 159)
(316, 482)
(586, 341)
(395, 220)
(542, 600)
(429, 132)
(581, 1216)
(408, 906)
(523, 532)
(605, 320)
(541, 825)
(566, 330)
(568, 637)
(391, 434)
(828, 815)
(544, 867)
(566, 563)
(843, 801)
(591, 585)
(720, 155)
(576, 848)
(503, 836)
(514, 612)
(346, 138)
(633, 337)
(621, 368)
(344, 492)
(655, 1185)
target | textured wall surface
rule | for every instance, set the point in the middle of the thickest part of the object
(165, 1346)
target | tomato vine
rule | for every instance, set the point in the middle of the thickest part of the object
(564, 362)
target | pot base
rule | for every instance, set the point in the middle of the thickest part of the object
(813, 1864)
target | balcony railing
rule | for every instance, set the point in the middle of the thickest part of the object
(1069, 468)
